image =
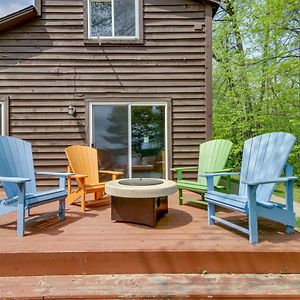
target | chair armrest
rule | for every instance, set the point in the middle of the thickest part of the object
(224, 170)
(219, 174)
(210, 178)
(111, 172)
(179, 171)
(78, 176)
(114, 174)
(54, 174)
(289, 198)
(14, 179)
(184, 168)
(275, 180)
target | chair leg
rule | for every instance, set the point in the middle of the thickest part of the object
(289, 229)
(99, 195)
(253, 226)
(61, 213)
(82, 200)
(180, 196)
(20, 220)
(253, 230)
(211, 212)
(228, 184)
(289, 198)
(21, 211)
(252, 217)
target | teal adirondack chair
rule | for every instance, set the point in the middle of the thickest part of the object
(213, 156)
(18, 179)
(264, 159)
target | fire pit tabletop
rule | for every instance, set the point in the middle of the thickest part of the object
(140, 187)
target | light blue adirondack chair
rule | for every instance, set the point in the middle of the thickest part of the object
(18, 179)
(264, 158)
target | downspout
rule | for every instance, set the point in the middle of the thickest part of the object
(208, 72)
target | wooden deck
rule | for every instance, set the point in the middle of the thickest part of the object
(181, 242)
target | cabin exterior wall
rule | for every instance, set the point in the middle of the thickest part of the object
(47, 63)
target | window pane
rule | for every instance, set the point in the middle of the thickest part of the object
(148, 141)
(124, 17)
(101, 21)
(110, 136)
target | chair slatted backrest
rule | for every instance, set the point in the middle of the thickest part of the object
(213, 156)
(264, 157)
(84, 160)
(16, 161)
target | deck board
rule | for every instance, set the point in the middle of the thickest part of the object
(153, 286)
(182, 241)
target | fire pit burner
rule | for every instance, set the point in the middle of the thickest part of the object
(140, 181)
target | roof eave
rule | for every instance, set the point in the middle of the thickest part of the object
(18, 17)
(30, 12)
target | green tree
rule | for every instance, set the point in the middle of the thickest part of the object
(256, 71)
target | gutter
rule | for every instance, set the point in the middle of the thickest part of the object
(215, 5)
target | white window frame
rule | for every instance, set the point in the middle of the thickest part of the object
(113, 37)
(3, 115)
(130, 104)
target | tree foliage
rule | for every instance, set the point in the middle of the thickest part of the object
(256, 71)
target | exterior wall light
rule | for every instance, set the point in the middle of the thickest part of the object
(71, 110)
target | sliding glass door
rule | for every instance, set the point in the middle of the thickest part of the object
(130, 137)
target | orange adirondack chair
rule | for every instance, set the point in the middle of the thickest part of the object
(83, 161)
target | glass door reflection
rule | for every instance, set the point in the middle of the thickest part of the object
(110, 136)
(148, 141)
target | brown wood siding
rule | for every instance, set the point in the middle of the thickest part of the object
(45, 65)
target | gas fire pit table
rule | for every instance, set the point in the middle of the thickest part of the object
(139, 200)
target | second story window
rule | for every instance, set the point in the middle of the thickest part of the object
(114, 19)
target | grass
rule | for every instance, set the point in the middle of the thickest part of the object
(279, 191)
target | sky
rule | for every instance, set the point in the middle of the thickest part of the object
(9, 6)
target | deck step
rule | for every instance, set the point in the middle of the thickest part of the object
(156, 286)
(148, 262)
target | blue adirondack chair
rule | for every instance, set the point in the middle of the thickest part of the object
(18, 179)
(264, 158)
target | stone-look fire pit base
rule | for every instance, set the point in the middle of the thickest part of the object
(139, 200)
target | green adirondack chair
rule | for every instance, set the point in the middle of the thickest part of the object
(213, 155)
